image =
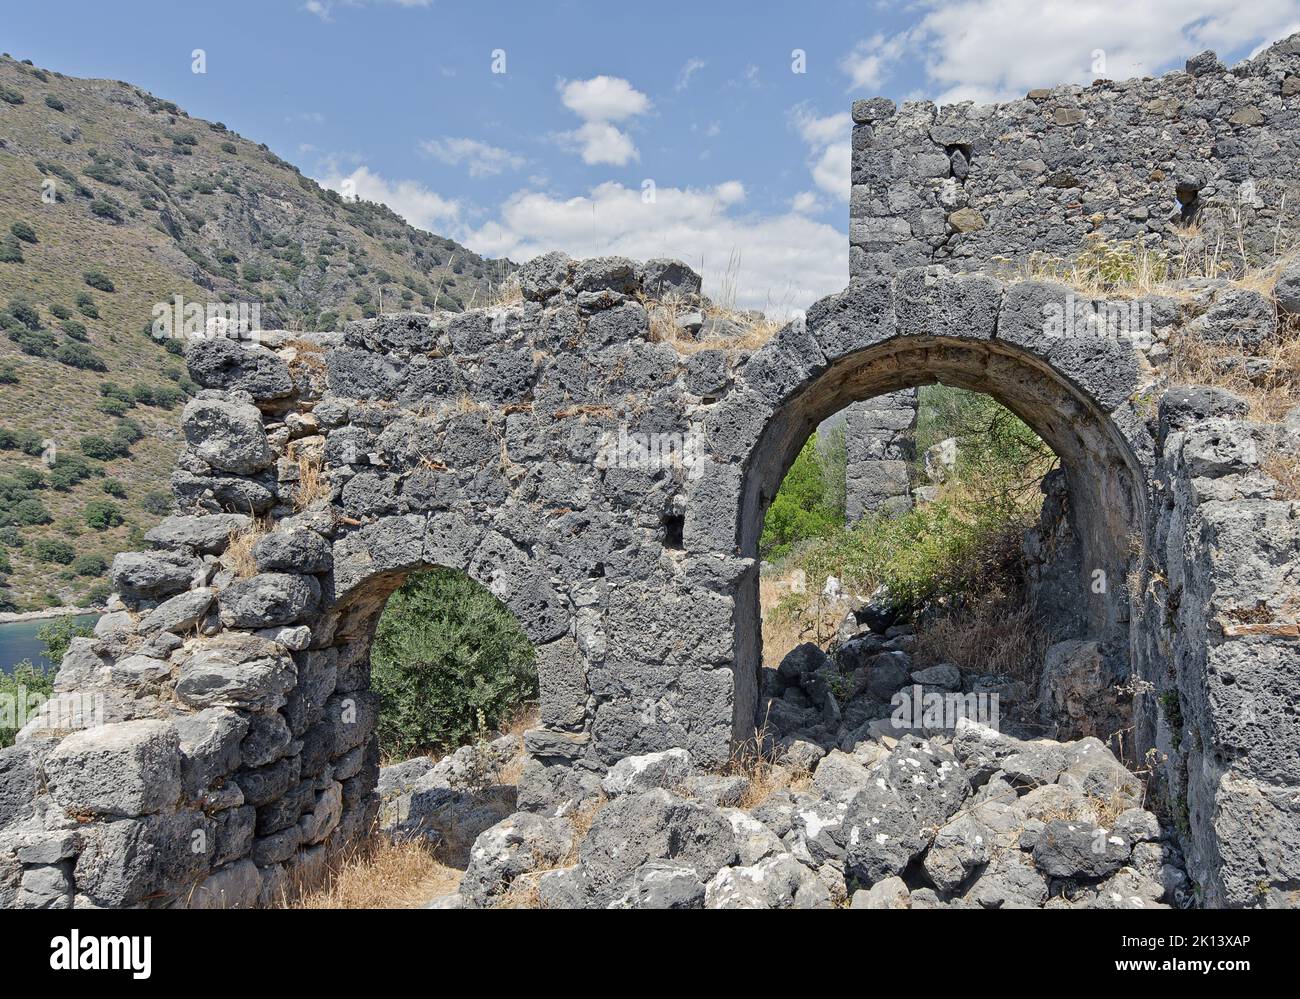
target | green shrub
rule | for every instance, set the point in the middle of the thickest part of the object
(105, 209)
(99, 281)
(810, 502)
(69, 469)
(23, 231)
(86, 306)
(103, 448)
(157, 502)
(58, 635)
(54, 103)
(111, 407)
(10, 251)
(10, 96)
(28, 512)
(447, 659)
(29, 442)
(51, 550)
(75, 329)
(101, 514)
(8, 374)
(78, 355)
(60, 312)
(27, 684)
(89, 565)
(25, 313)
(37, 343)
(29, 478)
(128, 431)
(114, 488)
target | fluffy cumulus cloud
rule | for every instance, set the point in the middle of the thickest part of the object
(779, 263)
(600, 102)
(479, 158)
(408, 198)
(829, 149)
(998, 49)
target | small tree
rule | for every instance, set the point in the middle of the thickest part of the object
(447, 657)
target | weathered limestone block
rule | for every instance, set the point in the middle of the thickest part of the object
(127, 769)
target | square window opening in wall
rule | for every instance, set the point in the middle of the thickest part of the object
(674, 529)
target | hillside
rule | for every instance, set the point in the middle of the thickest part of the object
(111, 201)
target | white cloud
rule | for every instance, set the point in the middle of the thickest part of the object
(871, 59)
(603, 98)
(408, 198)
(830, 156)
(806, 203)
(600, 142)
(600, 101)
(481, 159)
(778, 263)
(833, 170)
(818, 132)
(999, 49)
(691, 67)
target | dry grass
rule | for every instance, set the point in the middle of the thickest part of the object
(382, 874)
(1270, 395)
(664, 314)
(756, 761)
(1284, 468)
(507, 292)
(238, 556)
(312, 483)
(1132, 269)
(520, 722)
(987, 637)
(792, 616)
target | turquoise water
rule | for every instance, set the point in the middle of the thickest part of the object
(18, 641)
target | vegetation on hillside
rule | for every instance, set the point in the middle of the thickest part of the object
(113, 201)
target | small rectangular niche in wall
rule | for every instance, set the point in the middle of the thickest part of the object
(674, 529)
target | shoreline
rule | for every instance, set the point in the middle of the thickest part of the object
(17, 617)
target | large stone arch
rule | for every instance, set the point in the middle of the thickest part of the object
(1078, 387)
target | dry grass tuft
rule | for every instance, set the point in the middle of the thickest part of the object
(756, 761)
(238, 556)
(987, 637)
(507, 292)
(1270, 394)
(520, 722)
(1284, 468)
(381, 874)
(312, 482)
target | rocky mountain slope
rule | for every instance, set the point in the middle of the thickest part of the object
(111, 202)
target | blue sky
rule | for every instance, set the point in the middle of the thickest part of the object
(398, 100)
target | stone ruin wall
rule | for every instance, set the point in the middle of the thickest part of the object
(982, 186)
(988, 187)
(879, 451)
(239, 750)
